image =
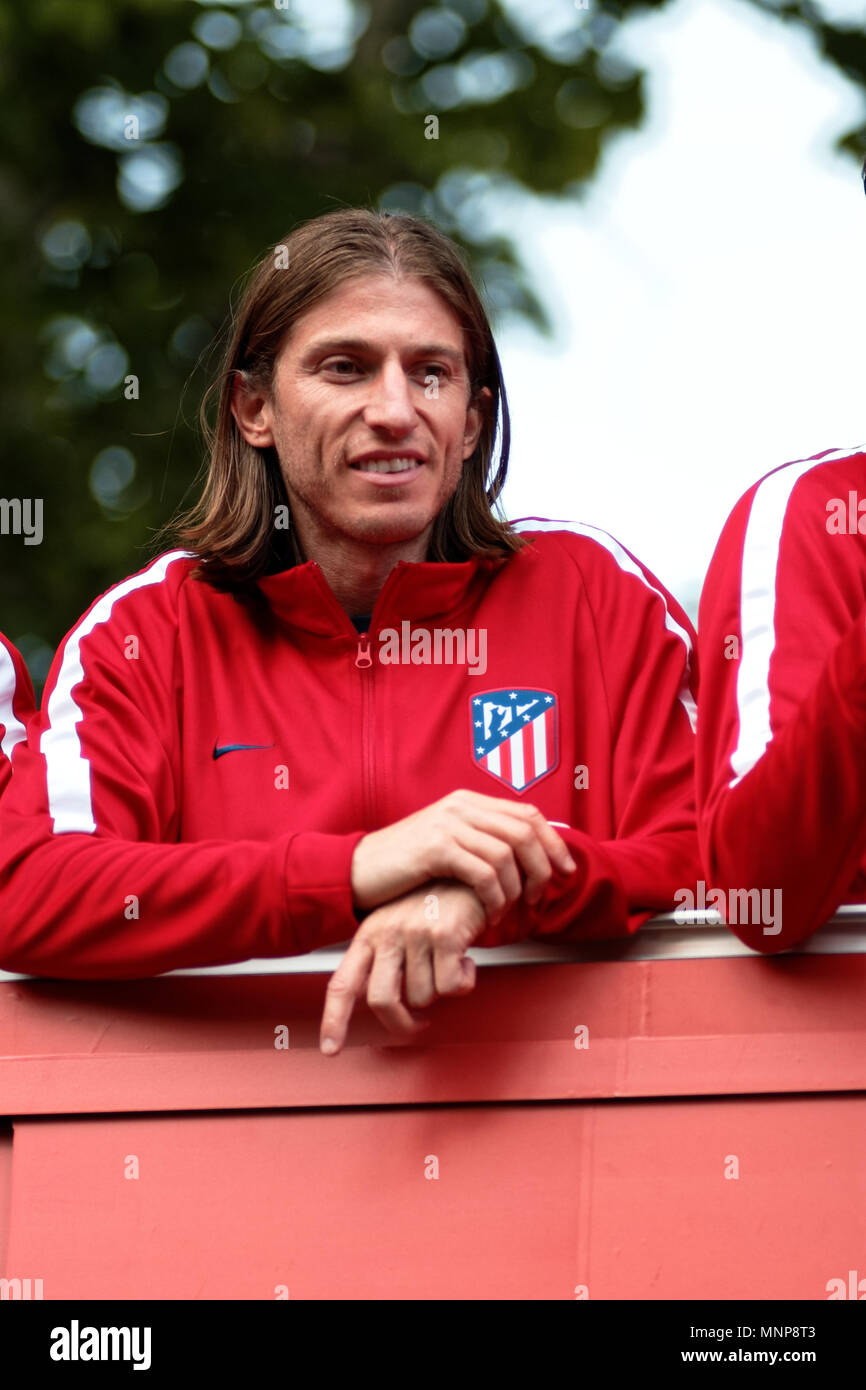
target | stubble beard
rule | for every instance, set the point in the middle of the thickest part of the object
(316, 515)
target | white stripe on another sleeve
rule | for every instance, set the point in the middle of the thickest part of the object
(758, 606)
(70, 800)
(14, 731)
(626, 563)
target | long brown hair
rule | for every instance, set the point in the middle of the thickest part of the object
(231, 528)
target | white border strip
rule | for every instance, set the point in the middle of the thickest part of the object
(659, 939)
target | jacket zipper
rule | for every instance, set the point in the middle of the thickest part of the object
(364, 661)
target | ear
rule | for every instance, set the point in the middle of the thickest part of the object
(252, 411)
(476, 412)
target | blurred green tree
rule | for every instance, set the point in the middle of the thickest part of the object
(152, 149)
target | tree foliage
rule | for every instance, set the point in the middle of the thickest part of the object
(152, 149)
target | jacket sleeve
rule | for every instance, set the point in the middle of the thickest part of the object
(17, 706)
(782, 728)
(95, 881)
(645, 647)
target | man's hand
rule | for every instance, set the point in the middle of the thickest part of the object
(483, 841)
(417, 943)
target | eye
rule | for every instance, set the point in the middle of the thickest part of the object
(434, 369)
(337, 365)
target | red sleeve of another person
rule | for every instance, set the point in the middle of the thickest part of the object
(782, 723)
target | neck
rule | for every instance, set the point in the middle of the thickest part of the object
(356, 571)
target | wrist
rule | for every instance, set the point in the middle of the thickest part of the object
(361, 904)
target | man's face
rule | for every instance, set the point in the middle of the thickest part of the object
(369, 448)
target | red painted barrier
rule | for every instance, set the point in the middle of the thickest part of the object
(602, 1128)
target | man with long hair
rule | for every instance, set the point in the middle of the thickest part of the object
(357, 703)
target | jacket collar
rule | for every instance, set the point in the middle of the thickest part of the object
(422, 591)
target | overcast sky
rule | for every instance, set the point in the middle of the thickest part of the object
(709, 294)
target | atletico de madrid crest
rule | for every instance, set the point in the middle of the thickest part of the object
(515, 735)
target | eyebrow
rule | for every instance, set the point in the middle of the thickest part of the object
(323, 346)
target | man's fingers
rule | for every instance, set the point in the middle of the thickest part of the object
(544, 841)
(397, 1019)
(530, 853)
(486, 863)
(453, 974)
(556, 847)
(509, 844)
(542, 831)
(475, 806)
(344, 987)
(418, 974)
(385, 990)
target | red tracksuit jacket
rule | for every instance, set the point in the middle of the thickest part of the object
(782, 725)
(198, 778)
(16, 706)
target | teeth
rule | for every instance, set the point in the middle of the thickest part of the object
(387, 465)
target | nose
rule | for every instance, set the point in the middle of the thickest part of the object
(389, 406)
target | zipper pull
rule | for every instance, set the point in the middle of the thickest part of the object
(364, 658)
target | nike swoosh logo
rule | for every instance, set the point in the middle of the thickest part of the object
(237, 748)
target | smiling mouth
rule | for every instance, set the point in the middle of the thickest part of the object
(400, 465)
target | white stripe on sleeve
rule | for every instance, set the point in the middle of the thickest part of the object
(70, 800)
(14, 731)
(758, 605)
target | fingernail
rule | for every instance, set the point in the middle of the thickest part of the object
(329, 1046)
(570, 865)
